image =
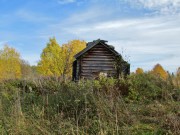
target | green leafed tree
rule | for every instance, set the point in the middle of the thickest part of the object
(10, 63)
(51, 59)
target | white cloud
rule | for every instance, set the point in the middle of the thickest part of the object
(147, 41)
(66, 1)
(159, 6)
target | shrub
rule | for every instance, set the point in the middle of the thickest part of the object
(147, 87)
(138, 104)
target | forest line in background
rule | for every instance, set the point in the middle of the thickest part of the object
(55, 61)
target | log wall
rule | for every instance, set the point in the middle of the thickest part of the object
(97, 60)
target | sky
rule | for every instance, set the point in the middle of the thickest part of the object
(145, 32)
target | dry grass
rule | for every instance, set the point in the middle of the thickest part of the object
(47, 106)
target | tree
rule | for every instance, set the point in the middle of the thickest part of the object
(177, 78)
(10, 67)
(57, 60)
(26, 70)
(178, 72)
(34, 70)
(68, 52)
(51, 59)
(139, 71)
(159, 71)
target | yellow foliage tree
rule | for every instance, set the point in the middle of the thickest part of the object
(139, 71)
(51, 59)
(68, 52)
(159, 71)
(10, 63)
(57, 60)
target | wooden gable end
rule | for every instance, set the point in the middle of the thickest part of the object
(98, 59)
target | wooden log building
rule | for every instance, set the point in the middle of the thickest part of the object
(99, 58)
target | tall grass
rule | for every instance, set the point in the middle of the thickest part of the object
(140, 104)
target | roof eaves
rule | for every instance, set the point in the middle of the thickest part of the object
(95, 42)
(87, 48)
(112, 50)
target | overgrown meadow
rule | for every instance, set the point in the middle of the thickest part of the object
(42, 99)
(140, 104)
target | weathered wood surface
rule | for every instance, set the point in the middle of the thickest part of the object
(98, 59)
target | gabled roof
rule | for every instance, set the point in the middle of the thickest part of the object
(94, 43)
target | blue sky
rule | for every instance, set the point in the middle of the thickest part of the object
(146, 32)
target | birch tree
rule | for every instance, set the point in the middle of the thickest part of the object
(10, 63)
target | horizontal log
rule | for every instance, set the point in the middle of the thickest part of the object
(97, 65)
(98, 51)
(98, 68)
(97, 71)
(98, 59)
(91, 75)
(98, 56)
(99, 45)
(98, 62)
